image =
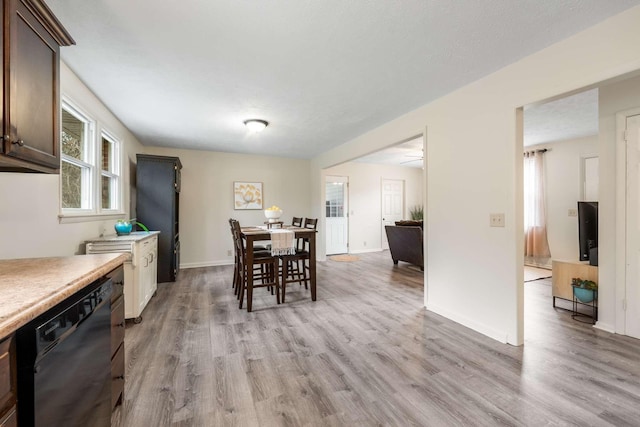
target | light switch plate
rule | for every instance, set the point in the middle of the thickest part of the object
(496, 220)
(573, 212)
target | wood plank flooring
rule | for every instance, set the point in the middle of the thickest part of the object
(366, 353)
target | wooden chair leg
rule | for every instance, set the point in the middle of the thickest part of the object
(274, 275)
(283, 281)
(241, 291)
(303, 272)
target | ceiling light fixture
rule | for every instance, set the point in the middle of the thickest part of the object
(256, 125)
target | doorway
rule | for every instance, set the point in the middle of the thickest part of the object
(392, 205)
(337, 214)
(563, 137)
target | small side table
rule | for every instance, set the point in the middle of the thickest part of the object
(277, 224)
(588, 298)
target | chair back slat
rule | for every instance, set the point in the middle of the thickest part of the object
(310, 223)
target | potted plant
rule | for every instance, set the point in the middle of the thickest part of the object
(123, 226)
(584, 290)
(417, 213)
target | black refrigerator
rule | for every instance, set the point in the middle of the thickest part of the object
(158, 208)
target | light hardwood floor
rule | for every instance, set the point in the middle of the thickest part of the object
(366, 353)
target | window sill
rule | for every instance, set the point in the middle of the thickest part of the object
(88, 217)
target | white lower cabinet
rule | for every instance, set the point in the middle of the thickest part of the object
(140, 273)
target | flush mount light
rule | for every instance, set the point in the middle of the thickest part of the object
(256, 125)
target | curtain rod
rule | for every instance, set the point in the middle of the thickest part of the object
(544, 150)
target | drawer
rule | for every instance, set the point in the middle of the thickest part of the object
(117, 276)
(10, 420)
(7, 374)
(117, 377)
(148, 245)
(117, 323)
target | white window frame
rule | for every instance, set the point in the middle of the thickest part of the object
(87, 163)
(92, 171)
(114, 173)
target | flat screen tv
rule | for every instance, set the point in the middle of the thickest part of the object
(587, 228)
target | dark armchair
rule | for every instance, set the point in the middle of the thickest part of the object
(405, 244)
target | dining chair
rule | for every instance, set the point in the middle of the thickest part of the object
(267, 264)
(294, 268)
(258, 269)
(296, 222)
(236, 257)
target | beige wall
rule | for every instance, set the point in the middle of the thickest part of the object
(365, 203)
(29, 225)
(206, 199)
(474, 273)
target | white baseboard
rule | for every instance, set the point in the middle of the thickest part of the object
(604, 327)
(205, 264)
(365, 251)
(500, 336)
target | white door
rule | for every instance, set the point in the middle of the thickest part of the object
(392, 205)
(632, 313)
(337, 209)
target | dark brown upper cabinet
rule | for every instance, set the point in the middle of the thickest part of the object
(31, 40)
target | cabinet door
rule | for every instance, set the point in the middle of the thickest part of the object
(31, 128)
(7, 376)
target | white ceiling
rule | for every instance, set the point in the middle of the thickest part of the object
(408, 154)
(574, 116)
(187, 74)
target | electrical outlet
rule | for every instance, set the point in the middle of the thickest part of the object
(573, 212)
(496, 220)
(229, 252)
(364, 243)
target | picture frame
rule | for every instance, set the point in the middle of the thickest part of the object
(247, 195)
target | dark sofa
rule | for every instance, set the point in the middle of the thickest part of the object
(405, 242)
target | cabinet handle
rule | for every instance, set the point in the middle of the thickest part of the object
(152, 256)
(19, 142)
(146, 261)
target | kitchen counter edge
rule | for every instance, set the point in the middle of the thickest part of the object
(31, 286)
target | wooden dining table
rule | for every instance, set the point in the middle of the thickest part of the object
(255, 234)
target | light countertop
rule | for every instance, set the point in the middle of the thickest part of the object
(31, 286)
(133, 236)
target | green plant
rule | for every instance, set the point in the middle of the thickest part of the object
(584, 283)
(417, 212)
(133, 222)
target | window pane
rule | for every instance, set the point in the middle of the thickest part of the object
(334, 199)
(71, 186)
(73, 133)
(106, 192)
(107, 155)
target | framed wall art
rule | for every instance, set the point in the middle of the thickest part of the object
(247, 195)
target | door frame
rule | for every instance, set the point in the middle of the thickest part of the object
(621, 219)
(345, 180)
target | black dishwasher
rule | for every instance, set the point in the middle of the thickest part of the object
(64, 362)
